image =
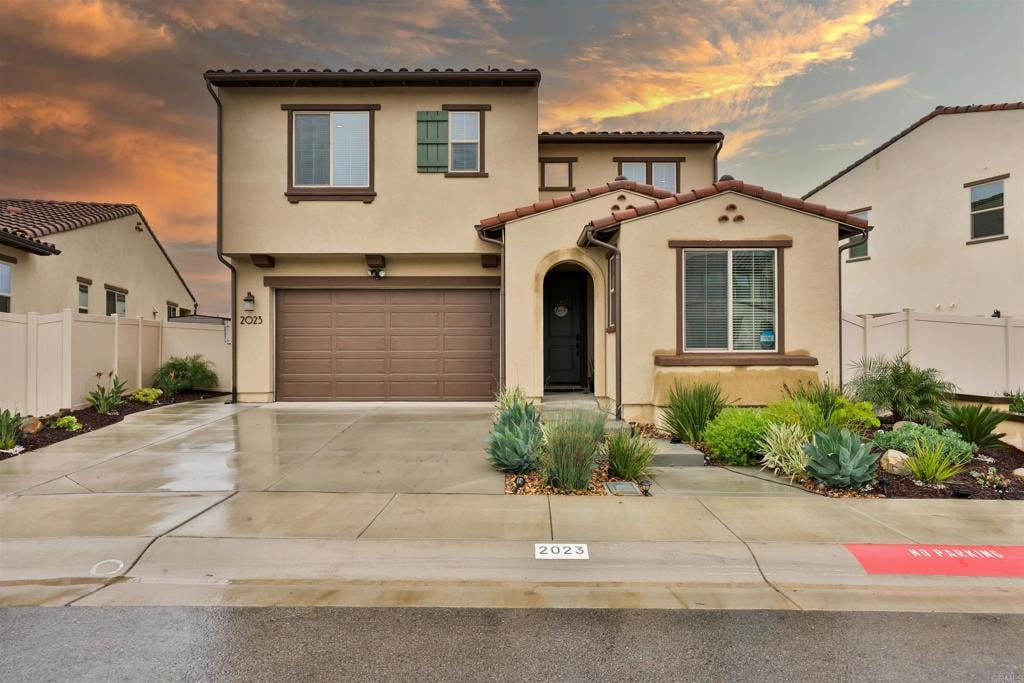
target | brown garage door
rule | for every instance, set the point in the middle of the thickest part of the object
(436, 344)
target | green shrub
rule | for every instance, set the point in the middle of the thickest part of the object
(974, 423)
(797, 413)
(9, 425)
(147, 395)
(572, 444)
(515, 440)
(897, 386)
(782, 447)
(838, 458)
(841, 414)
(105, 399)
(67, 422)
(734, 436)
(184, 374)
(1016, 401)
(857, 417)
(690, 408)
(928, 462)
(905, 438)
(825, 396)
(629, 455)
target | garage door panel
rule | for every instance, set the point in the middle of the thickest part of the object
(387, 344)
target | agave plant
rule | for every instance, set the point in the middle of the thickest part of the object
(838, 458)
(514, 447)
(974, 423)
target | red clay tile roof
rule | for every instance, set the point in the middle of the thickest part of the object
(560, 137)
(371, 77)
(555, 202)
(39, 217)
(730, 185)
(938, 111)
(35, 218)
(25, 242)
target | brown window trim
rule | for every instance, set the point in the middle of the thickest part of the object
(390, 282)
(83, 280)
(336, 194)
(858, 259)
(481, 108)
(4, 258)
(557, 160)
(987, 180)
(983, 240)
(114, 288)
(650, 161)
(777, 357)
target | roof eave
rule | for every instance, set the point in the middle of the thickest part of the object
(637, 138)
(27, 245)
(263, 79)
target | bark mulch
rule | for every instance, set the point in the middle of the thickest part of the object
(535, 486)
(92, 420)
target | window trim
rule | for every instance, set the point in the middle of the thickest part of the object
(972, 213)
(734, 358)
(9, 296)
(556, 160)
(117, 292)
(83, 286)
(650, 161)
(304, 193)
(168, 306)
(481, 171)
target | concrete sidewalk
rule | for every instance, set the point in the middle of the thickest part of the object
(394, 504)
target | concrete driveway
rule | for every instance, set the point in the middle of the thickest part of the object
(209, 446)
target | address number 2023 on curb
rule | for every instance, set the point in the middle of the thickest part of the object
(561, 551)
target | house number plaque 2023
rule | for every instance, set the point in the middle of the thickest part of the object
(251, 320)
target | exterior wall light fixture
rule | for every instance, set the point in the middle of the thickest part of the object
(249, 302)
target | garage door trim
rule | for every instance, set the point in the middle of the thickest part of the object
(365, 282)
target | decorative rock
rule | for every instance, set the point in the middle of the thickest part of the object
(1019, 473)
(31, 425)
(895, 462)
(901, 423)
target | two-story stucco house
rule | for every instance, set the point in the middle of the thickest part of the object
(89, 257)
(946, 200)
(408, 235)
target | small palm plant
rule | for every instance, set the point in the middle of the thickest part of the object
(905, 390)
(974, 423)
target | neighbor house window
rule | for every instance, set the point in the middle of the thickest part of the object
(83, 297)
(331, 152)
(987, 210)
(172, 310)
(729, 300)
(556, 174)
(661, 172)
(116, 302)
(859, 251)
(5, 287)
(464, 150)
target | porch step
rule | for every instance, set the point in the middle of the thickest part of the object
(676, 455)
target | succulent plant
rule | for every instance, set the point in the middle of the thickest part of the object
(838, 458)
(515, 441)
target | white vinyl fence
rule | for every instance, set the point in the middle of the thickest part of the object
(982, 356)
(49, 362)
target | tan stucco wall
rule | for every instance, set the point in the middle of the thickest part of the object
(113, 252)
(595, 165)
(649, 306)
(255, 343)
(412, 213)
(920, 211)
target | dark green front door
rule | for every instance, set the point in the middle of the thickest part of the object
(563, 328)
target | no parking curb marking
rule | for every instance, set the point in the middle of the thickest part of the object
(940, 560)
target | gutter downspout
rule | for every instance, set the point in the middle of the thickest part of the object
(859, 238)
(617, 255)
(220, 252)
(501, 302)
(718, 149)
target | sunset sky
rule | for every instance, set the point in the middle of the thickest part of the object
(103, 100)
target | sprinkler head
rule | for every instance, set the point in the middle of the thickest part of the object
(645, 487)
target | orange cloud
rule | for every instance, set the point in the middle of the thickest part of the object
(96, 29)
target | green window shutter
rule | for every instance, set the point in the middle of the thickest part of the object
(432, 141)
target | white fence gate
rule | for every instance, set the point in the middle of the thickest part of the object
(49, 362)
(982, 356)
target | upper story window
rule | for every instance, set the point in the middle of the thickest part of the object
(83, 296)
(332, 152)
(728, 300)
(859, 251)
(116, 301)
(172, 310)
(556, 173)
(661, 172)
(465, 142)
(6, 273)
(987, 219)
(452, 141)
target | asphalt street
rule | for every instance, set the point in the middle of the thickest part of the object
(385, 644)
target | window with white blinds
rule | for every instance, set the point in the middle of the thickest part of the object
(332, 149)
(635, 171)
(729, 299)
(465, 141)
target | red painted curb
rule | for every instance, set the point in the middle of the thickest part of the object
(940, 560)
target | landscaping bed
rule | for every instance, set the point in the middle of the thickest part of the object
(536, 486)
(92, 420)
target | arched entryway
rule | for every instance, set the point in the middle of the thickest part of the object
(568, 321)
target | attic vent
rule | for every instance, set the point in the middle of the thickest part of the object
(615, 207)
(621, 198)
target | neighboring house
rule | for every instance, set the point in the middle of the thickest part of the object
(350, 212)
(102, 259)
(946, 200)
